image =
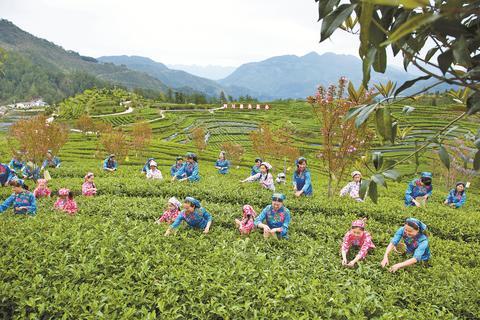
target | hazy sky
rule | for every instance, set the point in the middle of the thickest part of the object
(217, 32)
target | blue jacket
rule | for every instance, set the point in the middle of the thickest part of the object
(255, 170)
(457, 199)
(24, 199)
(6, 174)
(198, 219)
(414, 190)
(110, 165)
(418, 245)
(189, 171)
(224, 165)
(31, 172)
(303, 182)
(174, 169)
(16, 165)
(275, 219)
(54, 163)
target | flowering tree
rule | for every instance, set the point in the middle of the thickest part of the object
(234, 151)
(276, 144)
(115, 141)
(35, 136)
(141, 136)
(85, 124)
(198, 136)
(342, 141)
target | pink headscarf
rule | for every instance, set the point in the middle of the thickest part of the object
(248, 210)
(360, 223)
(88, 175)
(63, 192)
(42, 181)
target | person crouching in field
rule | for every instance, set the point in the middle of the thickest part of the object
(457, 197)
(147, 165)
(176, 167)
(6, 175)
(415, 242)
(357, 237)
(281, 178)
(189, 171)
(42, 190)
(31, 171)
(222, 164)
(88, 187)
(194, 215)
(256, 167)
(51, 161)
(17, 164)
(246, 225)
(173, 209)
(276, 217)
(419, 190)
(302, 182)
(264, 177)
(353, 188)
(153, 172)
(110, 164)
(22, 200)
(65, 202)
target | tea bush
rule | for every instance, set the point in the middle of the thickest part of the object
(111, 261)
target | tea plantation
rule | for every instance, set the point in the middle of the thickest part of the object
(111, 261)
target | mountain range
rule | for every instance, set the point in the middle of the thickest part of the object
(50, 55)
(60, 72)
(173, 78)
(211, 72)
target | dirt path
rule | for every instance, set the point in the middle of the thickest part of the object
(129, 110)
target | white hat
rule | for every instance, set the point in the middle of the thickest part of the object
(153, 163)
(266, 164)
(175, 202)
(354, 173)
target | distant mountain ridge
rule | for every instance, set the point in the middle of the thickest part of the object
(49, 58)
(291, 76)
(36, 67)
(211, 72)
(172, 78)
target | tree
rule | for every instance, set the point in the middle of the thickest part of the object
(274, 144)
(141, 137)
(179, 97)
(199, 98)
(85, 124)
(234, 152)
(35, 136)
(342, 142)
(222, 97)
(284, 138)
(115, 142)
(3, 57)
(103, 128)
(262, 141)
(439, 38)
(170, 95)
(198, 136)
(162, 97)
